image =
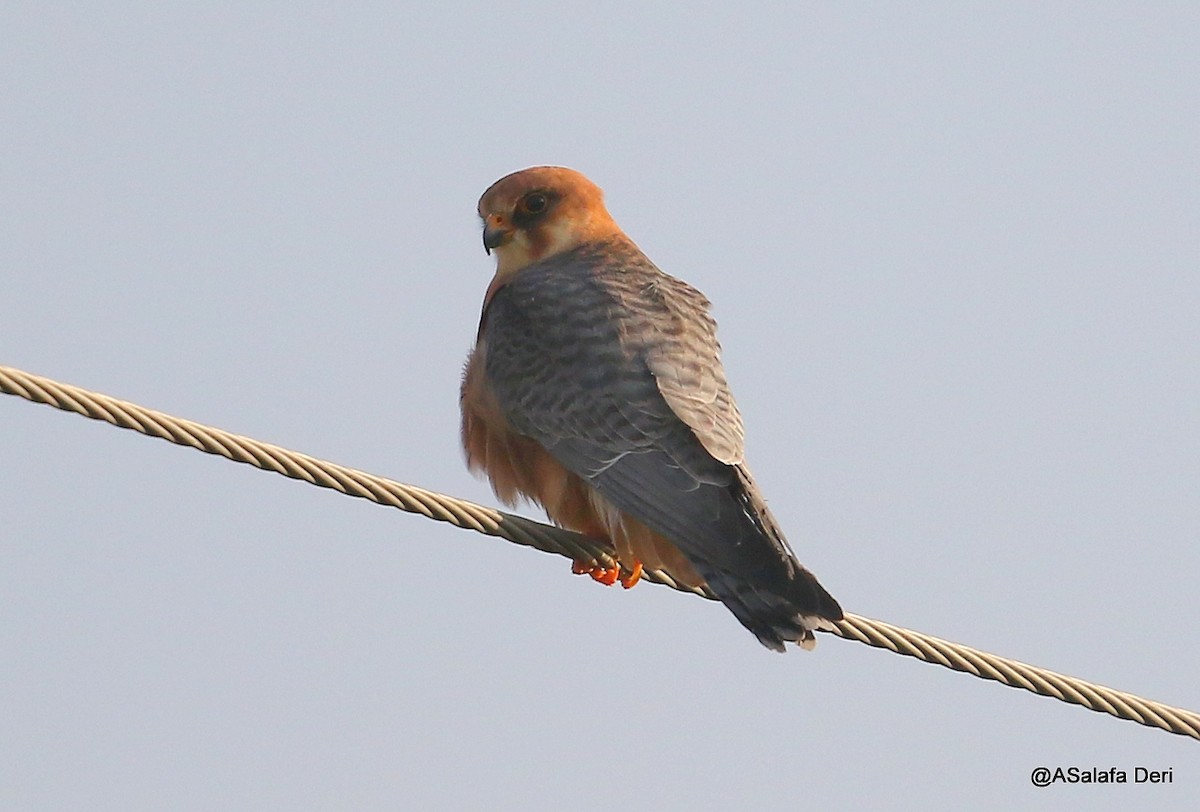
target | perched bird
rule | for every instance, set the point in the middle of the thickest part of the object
(596, 390)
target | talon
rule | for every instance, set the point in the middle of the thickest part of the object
(606, 576)
(603, 575)
(631, 577)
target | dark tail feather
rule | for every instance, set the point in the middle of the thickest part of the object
(776, 619)
(786, 603)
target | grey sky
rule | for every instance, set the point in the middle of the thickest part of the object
(953, 250)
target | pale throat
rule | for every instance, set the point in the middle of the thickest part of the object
(525, 249)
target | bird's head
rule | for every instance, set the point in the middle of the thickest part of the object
(539, 212)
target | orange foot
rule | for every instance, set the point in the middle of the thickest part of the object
(632, 576)
(606, 576)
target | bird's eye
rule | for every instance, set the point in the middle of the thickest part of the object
(535, 203)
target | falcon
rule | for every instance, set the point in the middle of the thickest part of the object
(595, 389)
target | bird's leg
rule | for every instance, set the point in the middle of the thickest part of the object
(632, 576)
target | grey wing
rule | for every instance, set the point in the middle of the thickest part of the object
(569, 360)
(621, 382)
(679, 337)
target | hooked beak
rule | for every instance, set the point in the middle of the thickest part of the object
(495, 232)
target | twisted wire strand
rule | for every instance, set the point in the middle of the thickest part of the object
(586, 550)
